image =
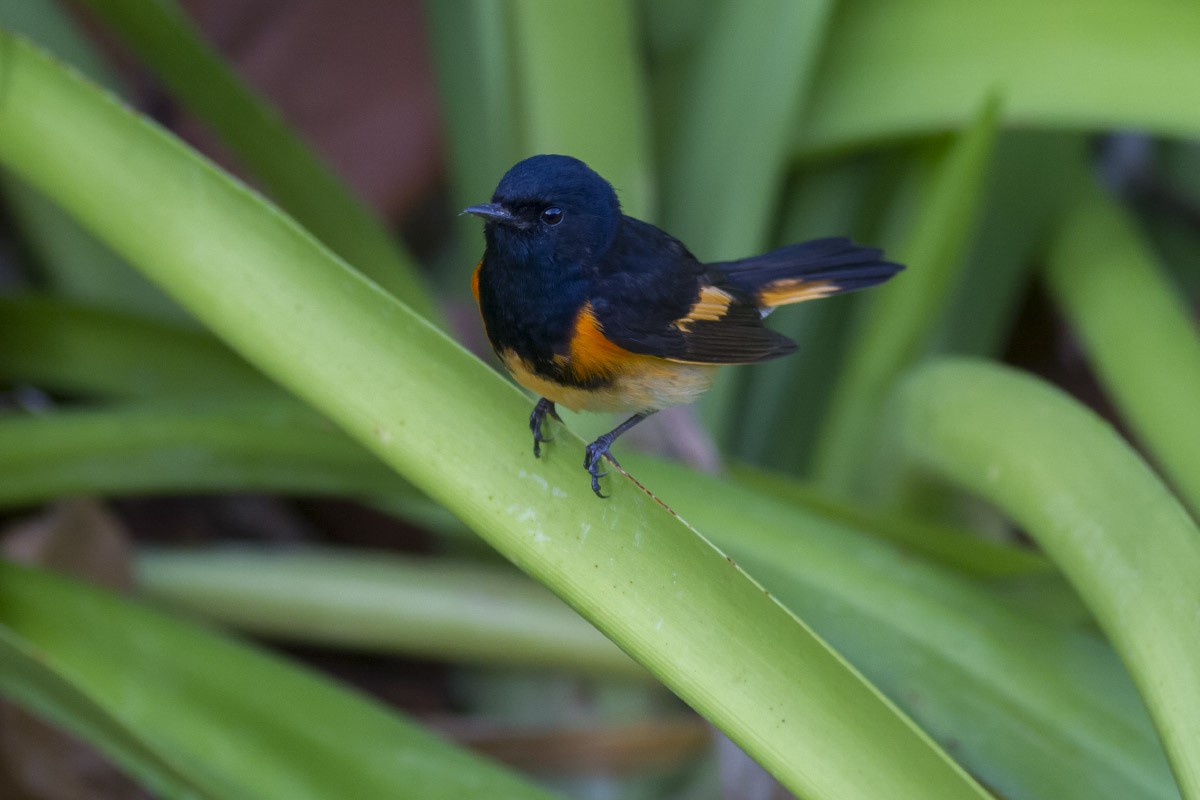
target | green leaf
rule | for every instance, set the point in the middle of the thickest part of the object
(1034, 177)
(1138, 332)
(93, 352)
(1036, 709)
(904, 69)
(192, 714)
(958, 549)
(439, 608)
(458, 432)
(160, 33)
(903, 314)
(1010, 690)
(1083, 494)
(159, 449)
(73, 263)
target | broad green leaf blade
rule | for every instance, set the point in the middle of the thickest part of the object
(903, 69)
(94, 352)
(193, 714)
(452, 611)
(1138, 332)
(458, 432)
(903, 313)
(1126, 544)
(580, 80)
(302, 184)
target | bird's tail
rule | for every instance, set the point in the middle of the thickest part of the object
(799, 272)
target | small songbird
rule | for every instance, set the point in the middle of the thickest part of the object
(603, 312)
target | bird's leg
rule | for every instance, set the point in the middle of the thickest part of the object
(540, 411)
(599, 449)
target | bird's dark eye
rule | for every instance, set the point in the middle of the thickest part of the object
(552, 215)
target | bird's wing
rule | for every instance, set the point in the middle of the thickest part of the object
(654, 298)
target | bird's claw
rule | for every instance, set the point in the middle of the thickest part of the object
(591, 462)
(536, 418)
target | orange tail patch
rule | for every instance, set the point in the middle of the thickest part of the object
(795, 290)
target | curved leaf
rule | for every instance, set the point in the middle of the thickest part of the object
(1126, 544)
(904, 69)
(193, 714)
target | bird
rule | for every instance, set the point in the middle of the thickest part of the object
(595, 310)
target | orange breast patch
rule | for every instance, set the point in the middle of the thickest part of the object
(591, 354)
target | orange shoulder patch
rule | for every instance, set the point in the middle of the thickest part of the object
(591, 353)
(475, 280)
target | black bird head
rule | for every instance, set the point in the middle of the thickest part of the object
(549, 209)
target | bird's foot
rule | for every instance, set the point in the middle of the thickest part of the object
(591, 461)
(540, 411)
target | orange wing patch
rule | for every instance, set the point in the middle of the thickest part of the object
(712, 306)
(475, 280)
(794, 290)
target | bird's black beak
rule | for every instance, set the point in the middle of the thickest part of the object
(492, 212)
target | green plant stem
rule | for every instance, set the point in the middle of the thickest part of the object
(456, 611)
(1089, 501)
(1138, 331)
(442, 419)
(303, 185)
